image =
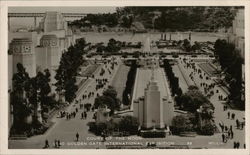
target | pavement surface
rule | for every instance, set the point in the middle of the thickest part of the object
(220, 116)
(65, 130)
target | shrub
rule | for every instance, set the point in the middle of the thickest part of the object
(178, 124)
(173, 80)
(100, 127)
(129, 124)
(182, 123)
(207, 129)
(129, 84)
(193, 99)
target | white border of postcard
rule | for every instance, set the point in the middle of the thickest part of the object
(4, 73)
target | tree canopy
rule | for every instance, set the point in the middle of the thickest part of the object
(129, 124)
(108, 19)
(109, 98)
(193, 99)
(231, 62)
(67, 71)
(27, 93)
(179, 18)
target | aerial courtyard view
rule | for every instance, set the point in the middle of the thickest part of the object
(126, 78)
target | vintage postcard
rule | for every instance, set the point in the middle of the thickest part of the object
(141, 77)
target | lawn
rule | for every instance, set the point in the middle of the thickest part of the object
(119, 81)
(182, 82)
(208, 68)
(90, 70)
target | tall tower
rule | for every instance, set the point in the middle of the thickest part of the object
(23, 52)
(53, 21)
(51, 50)
(153, 109)
(49, 55)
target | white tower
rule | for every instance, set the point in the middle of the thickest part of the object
(23, 52)
(53, 21)
(48, 55)
(153, 107)
(51, 51)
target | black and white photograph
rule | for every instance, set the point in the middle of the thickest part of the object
(126, 77)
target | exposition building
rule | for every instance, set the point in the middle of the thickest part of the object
(39, 50)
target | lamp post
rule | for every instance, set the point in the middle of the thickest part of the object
(199, 111)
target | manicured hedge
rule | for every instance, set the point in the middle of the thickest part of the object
(173, 80)
(130, 83)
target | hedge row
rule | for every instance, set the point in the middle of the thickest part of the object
(129, 84)
(173, 80)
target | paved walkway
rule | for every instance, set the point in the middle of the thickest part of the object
(64, 129)
(220, 116)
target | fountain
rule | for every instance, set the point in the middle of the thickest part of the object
(147, 45)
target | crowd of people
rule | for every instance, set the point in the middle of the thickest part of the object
(81, 105)
(210, 88)
(204, 83)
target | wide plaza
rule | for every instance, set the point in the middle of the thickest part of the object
(65, 130)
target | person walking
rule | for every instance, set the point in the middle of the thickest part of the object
(77, 136)
(46, 144)
(228, 115)
(242, 125)
(226, 128)
(94, 116)
(85, 114)
(55, 143)
(222, 128)
(229, 134)
(232, 134)
(237, 123)
(232, 116)
(58, 143)
(223, 138)
(235, 145)
(238, 145)
(82, 115)
(231, 128)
